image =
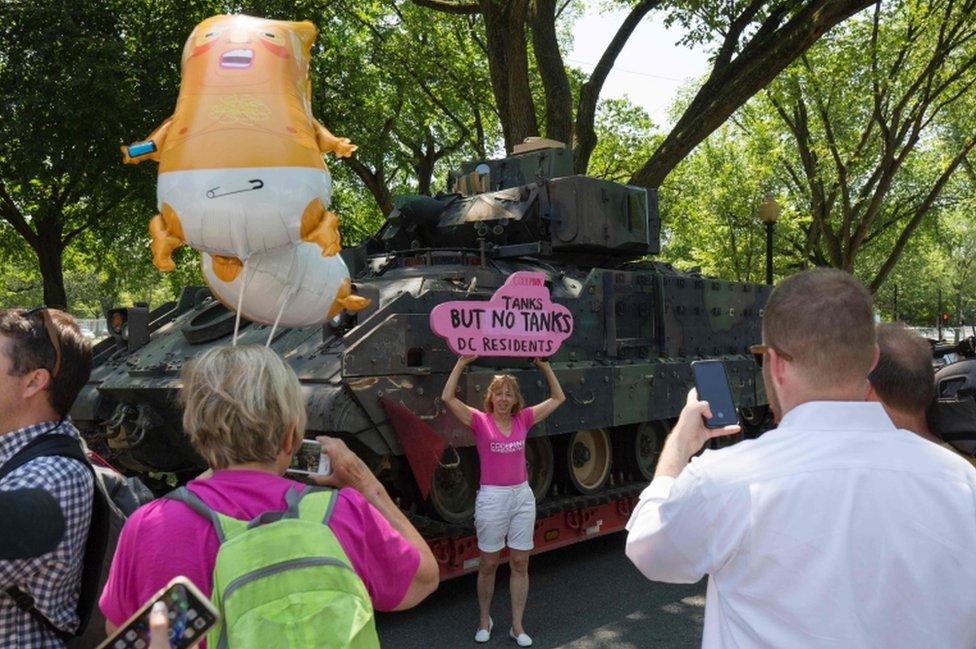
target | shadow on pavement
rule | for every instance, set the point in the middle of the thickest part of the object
(586, 596)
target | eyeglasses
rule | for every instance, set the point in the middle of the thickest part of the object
(52, 335)
(760, 351)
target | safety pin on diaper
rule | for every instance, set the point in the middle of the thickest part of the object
(256, 184)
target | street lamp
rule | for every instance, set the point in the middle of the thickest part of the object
(769, 211)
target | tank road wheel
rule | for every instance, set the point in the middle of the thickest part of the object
(588, 459)
(453, 490)
(540, 465)
(647, 446)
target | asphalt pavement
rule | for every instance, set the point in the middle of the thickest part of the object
(585, 596)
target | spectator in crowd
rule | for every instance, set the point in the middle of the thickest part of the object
(834, 529)
(44, 362)
(505, 505)
(245, 415)
(903, 381)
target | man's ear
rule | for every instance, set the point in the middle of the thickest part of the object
(874, 360)
(870, 394)
(777, 366)
(35, 382)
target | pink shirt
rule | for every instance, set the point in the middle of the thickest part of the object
(165, 538)
(502, 456)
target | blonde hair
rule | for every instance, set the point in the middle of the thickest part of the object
(496, 384)
(239, 403)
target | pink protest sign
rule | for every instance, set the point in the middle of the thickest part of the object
(518, 320)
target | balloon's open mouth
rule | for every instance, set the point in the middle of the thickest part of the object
(237, 59)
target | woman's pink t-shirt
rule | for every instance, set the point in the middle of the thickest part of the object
(165, 538)
(502, 456)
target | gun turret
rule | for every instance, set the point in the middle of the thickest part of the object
(531, 206)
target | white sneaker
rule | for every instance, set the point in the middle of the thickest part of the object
(484, 635)
(522, 639)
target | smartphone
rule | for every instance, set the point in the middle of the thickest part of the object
(309, 459)
(141, 148)
(190, 617)
(712, 383)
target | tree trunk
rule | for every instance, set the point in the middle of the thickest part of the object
(509, 67)
(426, 160)
(49, 261)
(375, 182)
(559, 99)
(590, 92)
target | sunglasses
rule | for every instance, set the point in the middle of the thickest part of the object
(52, 335)
(759, 353)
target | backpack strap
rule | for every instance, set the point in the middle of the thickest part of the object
(318, 508)
(25, 602)
(49, 444)
(55, 445)
(317, 505)
(191, 500)
(292, 498)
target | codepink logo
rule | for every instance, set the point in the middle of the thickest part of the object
(519, 320)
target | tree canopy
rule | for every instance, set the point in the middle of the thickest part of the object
(866, 141)
(421, 85)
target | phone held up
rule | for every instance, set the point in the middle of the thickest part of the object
(712, 383)
(310, 460)
(190, 617)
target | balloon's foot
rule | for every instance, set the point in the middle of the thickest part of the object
(167, 235)
(346, 301)
(226, 268)
(320, 226)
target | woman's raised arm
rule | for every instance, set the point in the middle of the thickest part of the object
(556, 395)
(460, 409)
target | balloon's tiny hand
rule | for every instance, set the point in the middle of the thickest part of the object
(344, 147)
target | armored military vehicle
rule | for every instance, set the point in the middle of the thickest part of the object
(639, 324)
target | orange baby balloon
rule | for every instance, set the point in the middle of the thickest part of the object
(240, 159)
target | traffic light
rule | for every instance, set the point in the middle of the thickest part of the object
(945, 317)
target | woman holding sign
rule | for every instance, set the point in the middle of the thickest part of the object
(505, 507)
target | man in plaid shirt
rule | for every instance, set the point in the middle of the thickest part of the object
(44, 363)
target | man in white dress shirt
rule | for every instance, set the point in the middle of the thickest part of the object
(836, 529)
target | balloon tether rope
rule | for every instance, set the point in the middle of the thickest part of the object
(240, 303)
(284, 302)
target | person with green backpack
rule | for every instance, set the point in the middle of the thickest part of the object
(286, 564)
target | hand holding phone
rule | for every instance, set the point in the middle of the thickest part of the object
(159, 626)
(310, 460)
(189, 616)
(712, 384)
(688, 436)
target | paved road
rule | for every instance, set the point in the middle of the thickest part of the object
(586, 596)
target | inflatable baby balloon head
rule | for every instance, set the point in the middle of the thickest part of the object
(289, 286)
(240, 159)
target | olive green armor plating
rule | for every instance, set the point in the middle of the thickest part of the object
(625, 370)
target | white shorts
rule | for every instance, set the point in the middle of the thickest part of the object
(501, 512)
